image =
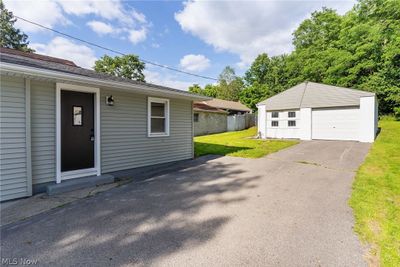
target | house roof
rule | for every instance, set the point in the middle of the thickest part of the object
(35, 65)
(227, 105)
(203, 107)
(315, 95)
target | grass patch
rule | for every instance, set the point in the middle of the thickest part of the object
(238, 144)
(376, 196)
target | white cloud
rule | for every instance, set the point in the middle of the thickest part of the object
(126, 20)
(248, 29)
(137, 36)
(139, 16)
(108, 9)
(34, 11)
(166, 80)
(60, 47)
(100, 27)
(195, 63)
(121, 19)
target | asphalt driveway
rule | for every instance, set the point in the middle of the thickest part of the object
(287, 209)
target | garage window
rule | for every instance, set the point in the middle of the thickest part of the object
(275, 114)
(158, 117)
(292, 123)
(274, 123)
(292, 114)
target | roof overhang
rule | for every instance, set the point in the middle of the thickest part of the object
(58, 76)
(210, 111)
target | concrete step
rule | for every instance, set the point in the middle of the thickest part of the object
(79, 183)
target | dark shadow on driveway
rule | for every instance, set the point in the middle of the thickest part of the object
(136, 223)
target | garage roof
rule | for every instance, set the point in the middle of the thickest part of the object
(315, 95)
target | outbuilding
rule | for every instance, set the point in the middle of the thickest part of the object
(60, 122)
(318, 111)
(208, 119)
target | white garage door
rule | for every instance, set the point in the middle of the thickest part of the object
(336, 124)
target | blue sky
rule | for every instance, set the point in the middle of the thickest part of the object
(196, 36)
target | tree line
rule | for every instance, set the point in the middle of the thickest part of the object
(360, 50)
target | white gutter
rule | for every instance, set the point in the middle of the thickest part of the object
(143, 89)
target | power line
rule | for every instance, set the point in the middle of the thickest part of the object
(115, 51)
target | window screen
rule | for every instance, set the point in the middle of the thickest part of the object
(158, 117)
(275, 114)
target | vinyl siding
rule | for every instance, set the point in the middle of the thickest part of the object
(13, 152)
(124, 141)
(283, 130)
(43, 127)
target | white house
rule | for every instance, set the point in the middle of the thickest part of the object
(317, 111)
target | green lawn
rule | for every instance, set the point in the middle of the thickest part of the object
(376, 196)
(238, 144)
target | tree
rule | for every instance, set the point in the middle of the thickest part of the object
(196, 89)
(360, 49)
(11, 37)
(230, 85)
(253, 94)
(211, 90)
(128, 66)
(320, 30)
(268, 73)
(258, 70)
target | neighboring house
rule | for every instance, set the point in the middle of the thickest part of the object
(60, 121)
(231, 107)
(318, 111)
(208, 120)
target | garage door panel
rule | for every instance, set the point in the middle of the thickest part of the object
(336, 124)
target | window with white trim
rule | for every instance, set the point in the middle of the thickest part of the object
(274, 123)
(291, 123)
(158, 117)
(275, 114)
(292, 114)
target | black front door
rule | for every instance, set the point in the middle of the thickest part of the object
(77, 130)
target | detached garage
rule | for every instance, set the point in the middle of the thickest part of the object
(317, 111)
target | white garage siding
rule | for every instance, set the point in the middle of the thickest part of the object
(336, 123)
(283, 130)
(322, 112)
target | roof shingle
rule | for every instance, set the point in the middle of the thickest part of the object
(64, 66)
(228, 105)
(314, 95)
(201, 106)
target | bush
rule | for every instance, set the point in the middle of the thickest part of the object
(397, 113)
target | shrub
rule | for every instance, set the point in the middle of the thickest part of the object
(397, 113)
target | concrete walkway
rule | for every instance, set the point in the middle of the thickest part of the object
(287, 209)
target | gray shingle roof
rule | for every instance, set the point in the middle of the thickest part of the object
(65, 66)
(314, 95)
(226, 104)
